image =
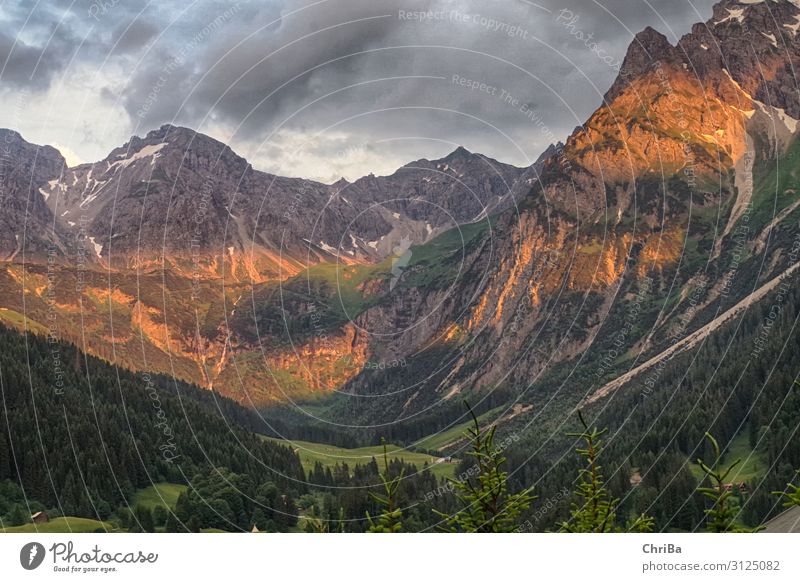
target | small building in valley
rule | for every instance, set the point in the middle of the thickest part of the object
(40, 517)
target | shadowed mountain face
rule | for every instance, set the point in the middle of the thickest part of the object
(25, 221)
(461, 276)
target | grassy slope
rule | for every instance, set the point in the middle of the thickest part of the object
(344, 281)
(164, 494)
(437, 262)
(330, 455)
(447, 438)
(63, 525)
(19, 321)
(751, 467)
(776, 186)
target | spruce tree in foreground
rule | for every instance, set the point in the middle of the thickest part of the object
(487, 505)
(722, 513)
(791, 495)
(315, 524)
(391, 518)
(596, 510)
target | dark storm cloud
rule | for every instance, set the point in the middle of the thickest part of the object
(249, 55)
(505, 77)
(303, 66)
(24, 64)
(132, 36)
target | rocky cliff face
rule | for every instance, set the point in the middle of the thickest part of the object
(651, 208)
(26, 170)
(201, 230)
(461, 275)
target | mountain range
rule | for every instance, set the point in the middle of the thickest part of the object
(660, 219)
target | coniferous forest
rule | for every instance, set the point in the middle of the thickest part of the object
(83, 438)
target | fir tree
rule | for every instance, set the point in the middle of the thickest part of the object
(125, 517)
(172, 525)
(159, 515)
(390, 519)
(791, 495)
(258, 519)
(143, 518)
(596, 510)
(17, 516)
(486, 504)
(721, 516)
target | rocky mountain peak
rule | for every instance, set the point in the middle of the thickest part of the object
(14, 141)
(178, 139)
(648, 48)
(552, 150)
(460, 153)
(763, 22)
(10, 135)
(755, 42)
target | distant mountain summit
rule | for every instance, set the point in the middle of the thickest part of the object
(176, 194)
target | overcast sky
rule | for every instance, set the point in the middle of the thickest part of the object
(319, 89)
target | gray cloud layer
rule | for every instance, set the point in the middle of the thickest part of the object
(342, 86)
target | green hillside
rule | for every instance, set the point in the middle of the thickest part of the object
(63, 525)
(329, 456)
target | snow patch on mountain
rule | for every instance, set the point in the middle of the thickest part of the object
(326, 247)
(733, 14)
(148, 151)
(793, 26)
(98, 248)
